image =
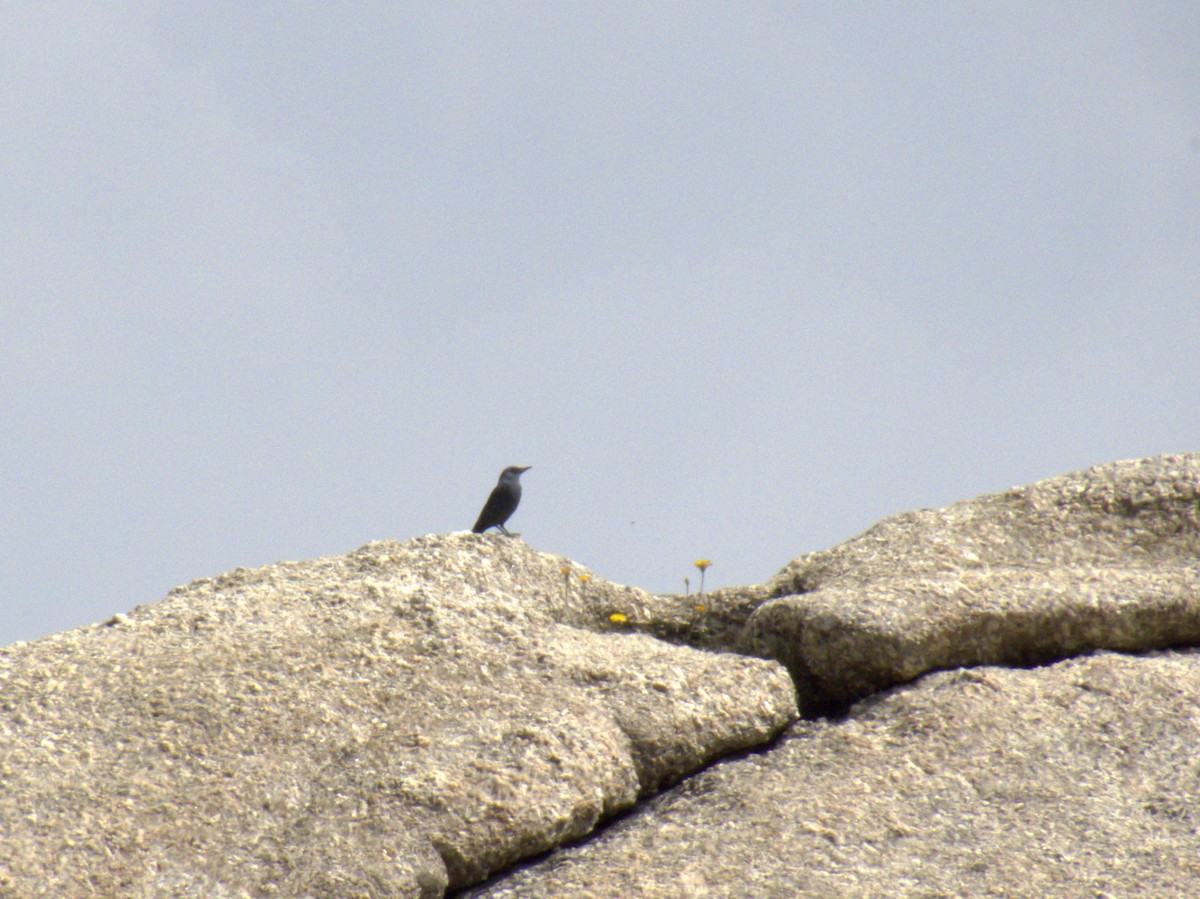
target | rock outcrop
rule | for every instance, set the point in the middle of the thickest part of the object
(414, 717)
(1074, 779)
(393, 722)
(1107, 558)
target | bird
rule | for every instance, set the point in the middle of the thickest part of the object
(503, 501)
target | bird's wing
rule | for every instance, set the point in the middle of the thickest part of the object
(493, 510)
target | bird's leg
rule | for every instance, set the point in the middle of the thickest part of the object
(504, 530)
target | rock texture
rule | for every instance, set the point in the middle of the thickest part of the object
(1105, 558)
(1076, 779)
(412, 717)
(393, 722)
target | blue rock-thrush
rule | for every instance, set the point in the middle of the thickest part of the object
(503, 501)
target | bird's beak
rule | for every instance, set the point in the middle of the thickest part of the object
(526, 468)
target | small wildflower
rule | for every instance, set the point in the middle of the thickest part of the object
(700, 609)
(702, 564)
(585, 577)
(617, 618)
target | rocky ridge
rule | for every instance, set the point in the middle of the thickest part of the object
(412, 718)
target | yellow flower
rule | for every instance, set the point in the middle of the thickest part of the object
(702, 564)
(585, 577)
(699, 608)
(566, 569)
(617, 618)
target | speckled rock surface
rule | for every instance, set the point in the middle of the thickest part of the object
(1104, 558)
(1075, 779)
(404, 718)
(412, 717)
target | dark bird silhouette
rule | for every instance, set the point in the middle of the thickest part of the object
(503, 501)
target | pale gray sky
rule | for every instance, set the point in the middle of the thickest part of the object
(737, 279)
